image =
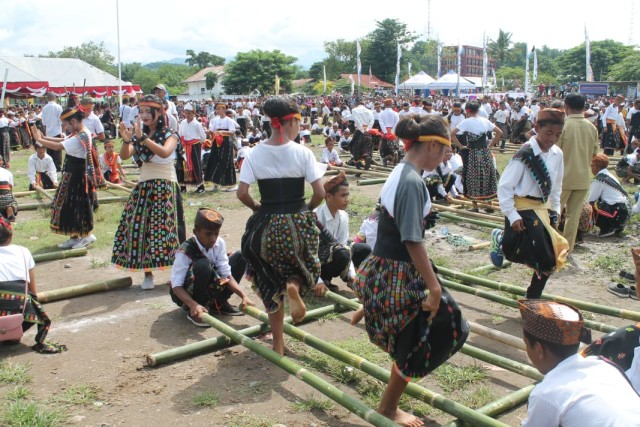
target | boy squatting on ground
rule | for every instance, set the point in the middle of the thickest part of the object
(530, 185)
(203, 276)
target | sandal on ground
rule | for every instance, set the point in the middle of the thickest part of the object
(618, 289)
(49, 347)
(628, 276)
(633, 293)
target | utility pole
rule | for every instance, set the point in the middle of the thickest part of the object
(429, 19)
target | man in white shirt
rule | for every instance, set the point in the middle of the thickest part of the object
(576, 391)
(41, 170)
(161, 91)
(388, 118)
(501, 117)
(530, 183)
(134, 112)
(53, 126)
(406, 110)
(125, 113)
(91, 121)
(5, 138)
(192, 136)
(362, 144)
(610, 137)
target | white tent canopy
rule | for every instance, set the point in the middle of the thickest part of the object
(418, 82)
(450, 81)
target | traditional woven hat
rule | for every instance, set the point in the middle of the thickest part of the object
(552, 322)
(208, 218)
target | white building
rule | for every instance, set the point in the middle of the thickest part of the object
(197, 85)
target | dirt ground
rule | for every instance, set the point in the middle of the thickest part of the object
(109, 335)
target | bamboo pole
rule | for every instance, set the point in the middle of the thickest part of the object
(34, 206)
(360, 171)
(86, 289)
(498, 336)
(30, 193)
(41, 191)
(350, 403)
(213, 344)
(118, 187)
(516, 290)
(467, 213)
(597, 326)
(478, 246)
(381, 374)
(371, 181)
(131, 183)
(501, 405)
(465, 202)
(471, 221)
(489, 267)
(51, 256)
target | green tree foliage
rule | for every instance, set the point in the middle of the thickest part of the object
(202, 60)
(95, 54)
(381, 51)
(130, 70)
(499, 48)
(257, 69)
(626, 70)
(315, 70)
(341, 58)
(424, 56)
(604, 55)
(210, 80)
(171, 75)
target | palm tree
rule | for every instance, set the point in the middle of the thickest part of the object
(499, 48)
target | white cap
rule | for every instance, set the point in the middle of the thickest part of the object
(188, 107)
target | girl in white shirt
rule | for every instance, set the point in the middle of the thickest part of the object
(76, 197)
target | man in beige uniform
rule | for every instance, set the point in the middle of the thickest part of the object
(579, 143)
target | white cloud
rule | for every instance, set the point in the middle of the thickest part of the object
(152, 31)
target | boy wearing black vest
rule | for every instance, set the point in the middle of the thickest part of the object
(204, 277)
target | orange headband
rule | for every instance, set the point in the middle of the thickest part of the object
(68, 114)
(435, 138)
(276, 122)
(151, 104)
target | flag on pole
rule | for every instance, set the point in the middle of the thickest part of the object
(535, 65)
(439, 50)
(587, 48)
(358, 51)
(324, 76)
(526, 71)
(460, 50)
(493, 75)
(352, 83)
(409, 69)
(485, 62)
(277, 85)
(398, 68)
(370, 77)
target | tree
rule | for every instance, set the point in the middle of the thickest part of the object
(626, 70)
(316, 71)
(604, 55)
(95, 54)
(499, 48)
(341, 58)
(257, 69)
(424, 56)
(203, 59)
(517, 56)
(210, 80)
(382, 47)
(130, 70)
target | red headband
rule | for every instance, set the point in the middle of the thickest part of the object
(151, 104)
(276, 122)
(5, 223)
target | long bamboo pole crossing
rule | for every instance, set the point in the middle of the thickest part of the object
(86, 289)
(473, 221)
(516, 290)
(360, 171)
(51, 256)
(35, 206)
(513, 303)
(214, 344)
(413, 389)
(464, 212)
(352, 404)
(118, 187)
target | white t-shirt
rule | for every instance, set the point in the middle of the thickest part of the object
(289, 160)
(6, 176)
(224, 123)
(475, 125)
(501, 116)
(93, 124)
(16, 263)
(51, 118)
(74, 147)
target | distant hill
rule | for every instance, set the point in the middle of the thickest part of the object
(154, 65)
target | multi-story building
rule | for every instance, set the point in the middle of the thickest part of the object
(471, 64)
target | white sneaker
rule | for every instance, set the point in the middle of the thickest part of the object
(84, 242)
(68, 244)
(147, 283)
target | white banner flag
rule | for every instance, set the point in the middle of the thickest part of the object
(409, 69)
(485, 62)
(358, 51)
(398, 68)
(535, 65)
(352, 83)
(526, 71)
(324, 75)
(587, 48)
(439, 50)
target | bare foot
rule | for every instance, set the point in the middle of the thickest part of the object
(357, 316)
(278, 346)
(635, 253)
(296, 305)
(403, 418)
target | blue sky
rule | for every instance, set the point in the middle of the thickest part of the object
(161, 30)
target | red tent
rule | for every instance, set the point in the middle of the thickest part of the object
(25, 89)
